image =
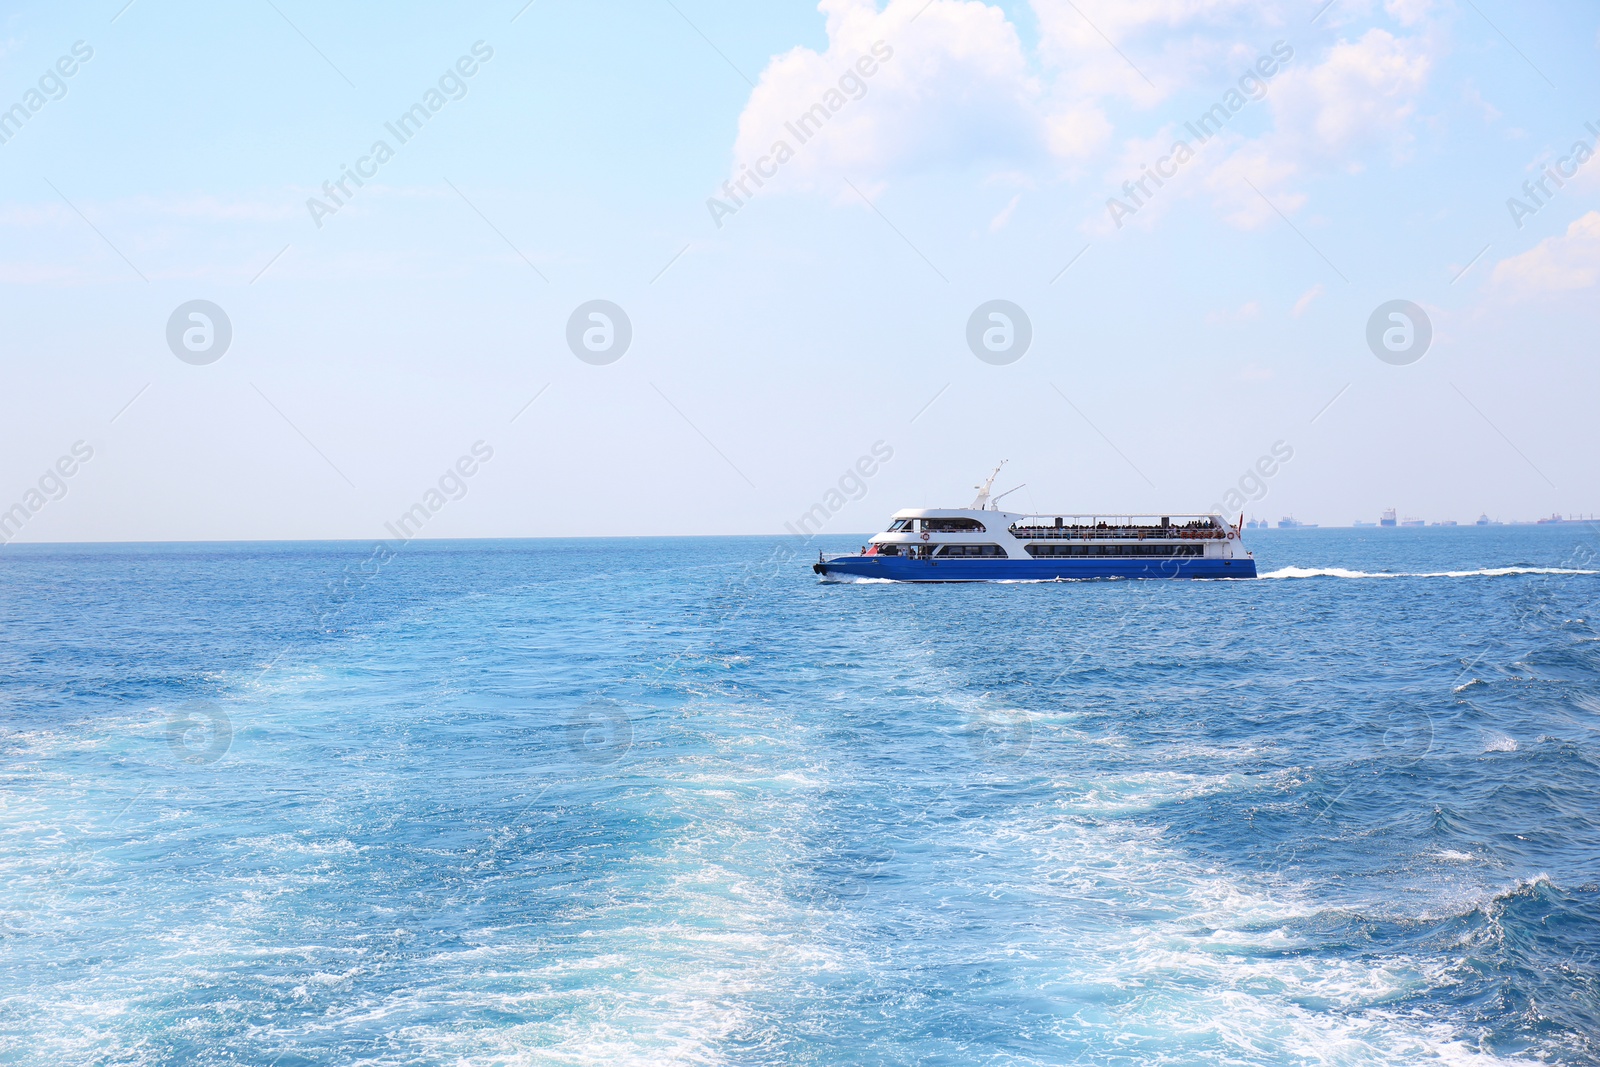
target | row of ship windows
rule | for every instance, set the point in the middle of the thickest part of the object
(1116, 550)
(1198, 527)
(947, 551)
(941, 551)
(937, 526)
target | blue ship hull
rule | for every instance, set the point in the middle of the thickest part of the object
(899, 569)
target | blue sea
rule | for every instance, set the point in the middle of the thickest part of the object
(678, 801)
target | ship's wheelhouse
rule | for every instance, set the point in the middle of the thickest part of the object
(952, 525)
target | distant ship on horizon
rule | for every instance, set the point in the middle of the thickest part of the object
(1289, 522)
(1388, 518)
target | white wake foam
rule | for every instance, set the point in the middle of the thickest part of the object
(1488, 572)
(855, 579)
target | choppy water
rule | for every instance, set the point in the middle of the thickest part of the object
(676, 801)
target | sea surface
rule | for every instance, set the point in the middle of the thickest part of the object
(677, 801)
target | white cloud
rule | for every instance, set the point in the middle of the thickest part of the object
(1307, 298)
(960, 92)
(1147, 206)
(998, 223)
(1408, 12)
(214, 209)
(39, 274)
(954, 90)
(1249, 182)
(1556, 264)
(1471, 95)
(1077, 130)
(1248, 312)
(1109, 48)
(1365, 91)
(287, 205)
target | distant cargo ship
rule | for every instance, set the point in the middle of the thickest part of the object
(1387, 519)
(1410, 521)
(1289, 522)
(1257, 524)
(1358, 523)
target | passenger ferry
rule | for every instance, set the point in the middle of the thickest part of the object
(981, 543)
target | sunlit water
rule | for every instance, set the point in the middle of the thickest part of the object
(678, 801)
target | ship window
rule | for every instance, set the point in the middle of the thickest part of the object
(887, 549)
(901, 525)
(952, 526)
(946, 551)
(1143, 551)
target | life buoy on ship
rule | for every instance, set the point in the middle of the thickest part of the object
(924, 537)
(1231, 535)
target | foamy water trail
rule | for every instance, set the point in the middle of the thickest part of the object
(1148, 955)
(1488, 572)
(854, 579)
(1216, 969)
(698, 948)
(667, 966)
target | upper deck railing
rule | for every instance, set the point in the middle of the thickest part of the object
(1122, 528)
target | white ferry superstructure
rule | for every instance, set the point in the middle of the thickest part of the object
(982, 543)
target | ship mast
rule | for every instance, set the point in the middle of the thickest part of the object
(995, 503)
(982, 502)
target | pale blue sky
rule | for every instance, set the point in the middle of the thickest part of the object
(775, 350)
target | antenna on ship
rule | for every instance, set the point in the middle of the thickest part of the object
(996, 501)
(982, 503)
